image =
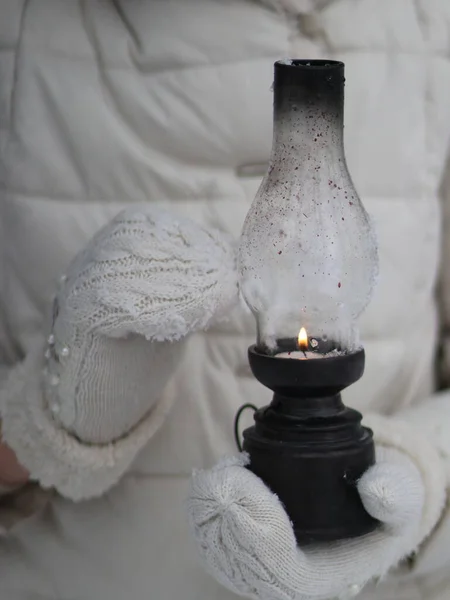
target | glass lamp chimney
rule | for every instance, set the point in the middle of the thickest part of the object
(308, 255)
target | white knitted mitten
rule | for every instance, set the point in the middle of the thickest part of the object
(141, 285)
(246, 541)
(148, 276)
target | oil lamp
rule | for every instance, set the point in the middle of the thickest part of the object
(307, 264)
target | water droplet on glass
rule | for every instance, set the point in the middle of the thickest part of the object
(353, 590)
(54, 380)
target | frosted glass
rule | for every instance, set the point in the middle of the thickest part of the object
(308, 255)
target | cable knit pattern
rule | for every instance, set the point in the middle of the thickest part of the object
(146, 280)
(148, 272)
(246, 540)
(105, 103)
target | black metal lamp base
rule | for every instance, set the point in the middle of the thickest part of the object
(308, 447)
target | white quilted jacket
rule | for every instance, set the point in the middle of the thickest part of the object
(107, 103)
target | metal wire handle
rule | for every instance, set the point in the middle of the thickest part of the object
(236, 422)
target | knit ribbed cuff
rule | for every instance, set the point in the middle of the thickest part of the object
(54, 457)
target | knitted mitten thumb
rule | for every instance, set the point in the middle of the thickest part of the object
(246, 541)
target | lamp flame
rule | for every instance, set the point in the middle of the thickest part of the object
(303, 339)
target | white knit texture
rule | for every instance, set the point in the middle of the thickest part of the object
(51, 454)
(403, 435)
(144, 282)
(246, 541)
(78, 417)
(148, 272)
